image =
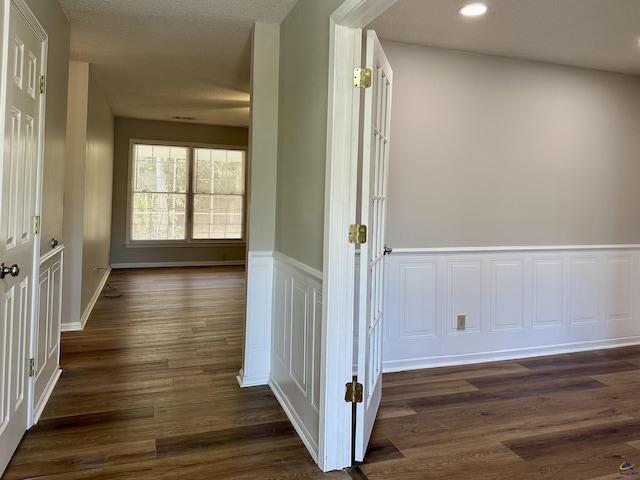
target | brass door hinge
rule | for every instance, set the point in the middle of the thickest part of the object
(36, 224)
(362, 77)
(32, 367)
(354, 392)
(41, 83)
(357, 234)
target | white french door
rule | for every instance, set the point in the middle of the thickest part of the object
(23, 64)
(375, 164)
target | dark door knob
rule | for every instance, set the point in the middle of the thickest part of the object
(13, 270)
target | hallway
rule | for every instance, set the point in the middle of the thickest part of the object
(148, 390)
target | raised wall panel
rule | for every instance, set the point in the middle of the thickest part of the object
(295, 376)
(518, 302)
(43, 321)
(317, 349)
(417, 299)
(619, 288)
(465, 295)
(56, 310)
(548, 292)
(299, 328)
(281, 299)
(585, 290)
(507, 294)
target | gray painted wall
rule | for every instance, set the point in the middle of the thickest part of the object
(126, 129)
(97, 197)
(263, 133)
(55, 23)
(74, 189)
(302, 140)
(487, 151)
(87, 203)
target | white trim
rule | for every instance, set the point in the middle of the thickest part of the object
(359, 13)
(296, 421)
(180, 264)
(51, 254)
(256, 369)
(340, 210)
(339, 255)
(182, 244)
(518, 304)
(189, 194)
(46, 394)
(301, 267)
(74, 326)
(501, 355)
(541, 248)
(295, 353)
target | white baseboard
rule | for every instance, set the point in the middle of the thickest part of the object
(246, 381)
(296, 421)
(454, 360)
(37, 412)
(79, 325)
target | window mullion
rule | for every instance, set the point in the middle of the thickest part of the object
(191, 172)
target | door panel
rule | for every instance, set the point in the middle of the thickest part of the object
(17, 242)
(375, 164)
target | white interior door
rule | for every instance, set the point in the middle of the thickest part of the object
(375, 163)
(22, 111)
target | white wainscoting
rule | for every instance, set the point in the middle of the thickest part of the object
(256, 365)
(518, 302)
(296, 346)
(46, 334)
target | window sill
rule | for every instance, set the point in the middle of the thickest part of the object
(205, 244)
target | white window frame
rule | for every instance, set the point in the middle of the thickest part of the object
(187, 242)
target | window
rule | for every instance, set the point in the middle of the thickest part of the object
(182, 193)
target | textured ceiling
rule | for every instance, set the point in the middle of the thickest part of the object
(156, 59)
(599, 34)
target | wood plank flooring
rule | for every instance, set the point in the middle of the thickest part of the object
(148, 390)
(569, 416)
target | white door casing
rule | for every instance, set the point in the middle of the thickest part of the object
(375, 166)
(23, 64)
(338, 294)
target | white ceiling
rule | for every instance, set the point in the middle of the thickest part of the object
(599, 34)
(156, 59)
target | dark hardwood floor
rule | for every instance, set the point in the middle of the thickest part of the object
(571, 416)
(148, 390)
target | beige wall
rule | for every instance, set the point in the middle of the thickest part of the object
(74, 188)
(127, 129)
(302, 140)
(487, 151)
(97, 192)
(55, 23)
(87, 203)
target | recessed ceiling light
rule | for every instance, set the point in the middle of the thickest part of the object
(473, 10)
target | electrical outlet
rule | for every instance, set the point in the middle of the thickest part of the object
(462, 322)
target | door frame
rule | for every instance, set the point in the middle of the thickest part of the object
(338, 292)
